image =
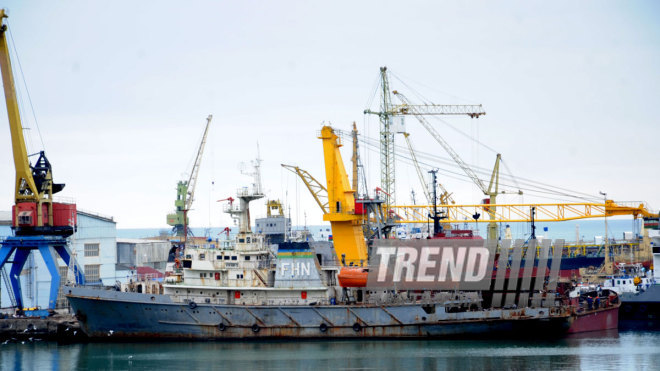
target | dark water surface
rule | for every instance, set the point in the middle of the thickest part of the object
(594, 351)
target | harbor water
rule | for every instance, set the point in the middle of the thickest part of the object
(591, 351)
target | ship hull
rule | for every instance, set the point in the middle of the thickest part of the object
(640, 311)
(598, 320)
(108, 315)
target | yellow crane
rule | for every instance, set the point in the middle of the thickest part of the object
(34, 212)
(347, 232)
(512, 213)
(39, 223)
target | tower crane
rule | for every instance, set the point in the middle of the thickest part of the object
(185, 191)
(420, 110)
(388, 110)
(38, 222)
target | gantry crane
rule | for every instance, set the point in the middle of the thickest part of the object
(38, 222)
(185, 191)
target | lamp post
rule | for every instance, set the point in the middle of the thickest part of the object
(609, 269)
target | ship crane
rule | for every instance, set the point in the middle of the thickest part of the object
(38, 222)
(318, 190)
(185, 194)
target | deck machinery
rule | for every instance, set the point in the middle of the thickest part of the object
(38, 222)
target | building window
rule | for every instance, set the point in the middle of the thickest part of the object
(91, 249)
(92, 272)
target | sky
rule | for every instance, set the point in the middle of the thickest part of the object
(121, 90)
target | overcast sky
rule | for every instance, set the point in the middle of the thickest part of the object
(121, 91)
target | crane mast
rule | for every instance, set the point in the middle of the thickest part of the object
(387, 174)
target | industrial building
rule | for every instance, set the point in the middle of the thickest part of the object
(104, 259)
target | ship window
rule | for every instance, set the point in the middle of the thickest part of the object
(248, 240)
(219, 257)
(188, 256)
(241, 240)
(234, 258)
(202, 256)
(618, 282)
(247, 257)
(226, 257)
(201, 275)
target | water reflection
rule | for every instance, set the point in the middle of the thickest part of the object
(608, 350)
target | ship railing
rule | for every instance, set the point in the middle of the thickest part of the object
(248, 192)
(231, 208)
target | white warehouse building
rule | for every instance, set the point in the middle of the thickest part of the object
(94, 246)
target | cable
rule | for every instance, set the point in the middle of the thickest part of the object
(27, 91)
(539, 188)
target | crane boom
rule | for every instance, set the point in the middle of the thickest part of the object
(185, 191)
(520, 213)
(318, 190)
(472, 110)
(192, 181)
(407, 109)
(26, 189)
(425, 187)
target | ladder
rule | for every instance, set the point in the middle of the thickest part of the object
(10, 291)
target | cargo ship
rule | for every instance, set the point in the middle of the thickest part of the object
(242, 288)
(640, 307)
